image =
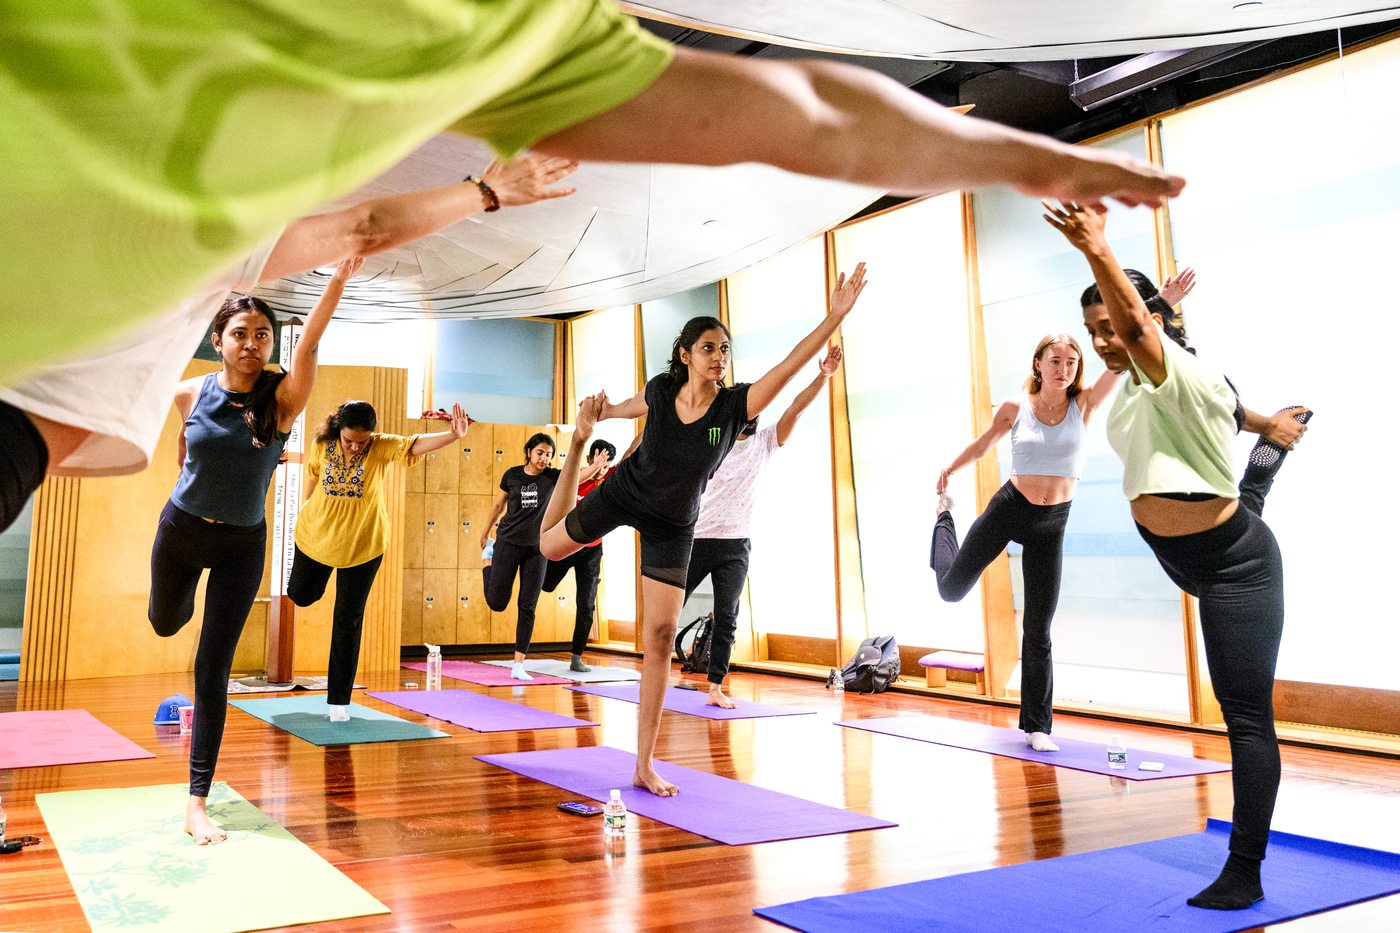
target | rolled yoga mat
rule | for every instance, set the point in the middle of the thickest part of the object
(9, 665)
(692, 703)
(133, 866)
(1011, 743)
(40, 738)
(479, 712)
(598, 675)
(308, 718)
(1132, 889)
(718, 808)
(484, 675)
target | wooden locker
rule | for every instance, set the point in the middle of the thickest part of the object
(565, 604)
(507, 450)
(413, 531)
(440, 468)
(412, 608)
(440, 607)
(414, 475)
(473, 615)
(440, 531)
(472, 512)
(474, 460)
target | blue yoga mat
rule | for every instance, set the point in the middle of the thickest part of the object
(1132, 889)
(9, 672)
(308, 718)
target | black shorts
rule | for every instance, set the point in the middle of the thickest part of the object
(24, 458)
(665, 545)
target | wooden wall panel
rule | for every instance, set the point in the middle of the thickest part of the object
(473, 615)
(48, 597)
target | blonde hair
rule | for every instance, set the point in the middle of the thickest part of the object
(1032, 385)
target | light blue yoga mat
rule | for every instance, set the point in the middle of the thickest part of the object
(308, 718)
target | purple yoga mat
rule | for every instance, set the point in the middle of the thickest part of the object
(1011, 743)
(731, 812)
(485, 675)
(478, 712)
(692, 703)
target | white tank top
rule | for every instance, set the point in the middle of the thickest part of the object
(1039, 449)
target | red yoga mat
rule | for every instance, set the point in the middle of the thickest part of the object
(39, 738)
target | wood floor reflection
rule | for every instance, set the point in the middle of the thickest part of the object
(449, 843)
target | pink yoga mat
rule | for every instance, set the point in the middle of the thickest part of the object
(485, 675)
(40, 738)
(479, 712)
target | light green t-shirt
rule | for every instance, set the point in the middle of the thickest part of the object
(1178, 436)
(146, 145)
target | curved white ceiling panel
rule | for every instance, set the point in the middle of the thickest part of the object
(631, 233)
(1012, 30)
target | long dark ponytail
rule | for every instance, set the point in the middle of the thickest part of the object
(354, 414)
(691, 333)
(260, 411)
(1156, 304)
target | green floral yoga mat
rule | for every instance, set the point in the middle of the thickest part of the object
(134, 868)
(308, 718)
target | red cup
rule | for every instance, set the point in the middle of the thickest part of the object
(186, 718)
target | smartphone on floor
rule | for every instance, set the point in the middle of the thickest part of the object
(579, 808)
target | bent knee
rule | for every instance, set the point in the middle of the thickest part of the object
(952, 591)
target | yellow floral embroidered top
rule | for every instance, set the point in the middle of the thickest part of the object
(345, 521)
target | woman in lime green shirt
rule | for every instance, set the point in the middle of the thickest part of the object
(1173, 424)
(344, 525)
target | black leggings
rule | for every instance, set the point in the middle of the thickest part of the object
(352, 585)
(726, 562)
(500, 579)
(24, 457)
(587, 565)
(1040, 529)
(185, 545)
(1236, 571)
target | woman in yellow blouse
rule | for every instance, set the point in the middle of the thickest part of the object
(344, 525)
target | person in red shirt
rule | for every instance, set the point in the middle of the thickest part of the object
(587, 562)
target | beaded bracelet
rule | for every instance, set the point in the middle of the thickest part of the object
(493, 203)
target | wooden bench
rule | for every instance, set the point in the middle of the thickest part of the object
(937, 665)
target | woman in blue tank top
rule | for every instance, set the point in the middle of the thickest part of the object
(236, 422)
(1047, 427)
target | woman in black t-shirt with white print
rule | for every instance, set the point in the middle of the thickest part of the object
(692, 420)
(522, 497)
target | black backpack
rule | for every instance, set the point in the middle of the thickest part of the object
(874, 667)
(693, 645)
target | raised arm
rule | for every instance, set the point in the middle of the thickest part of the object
(843, 299)
(381, 224)
(1131, 321)
(834, 120)
(185, 395)
(1091, 398)
(634, 407)
(1176, 287)
(427, 443)
(1001, 424)
(295, 390)
(828, 366)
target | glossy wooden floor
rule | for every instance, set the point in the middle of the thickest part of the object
(449, 843)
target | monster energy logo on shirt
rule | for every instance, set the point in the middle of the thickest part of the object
(714, 436)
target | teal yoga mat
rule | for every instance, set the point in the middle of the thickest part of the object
(308, 718)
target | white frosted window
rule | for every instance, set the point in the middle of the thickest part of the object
(605, 357)
(792, 574)
(1291, 216)
(908, 391)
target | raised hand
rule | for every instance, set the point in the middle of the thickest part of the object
(1178, 286)
(345, 269)
(831, 362)
(1087, 175)
(941, 486)
(526, 179)
(1083, 227)
(843, 299)
(460, 422)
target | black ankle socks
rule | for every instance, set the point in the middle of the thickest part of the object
(1237, 887)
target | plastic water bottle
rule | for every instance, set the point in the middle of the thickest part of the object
(1117, 754)
(434, 666)
(838, 684)
(614, 815)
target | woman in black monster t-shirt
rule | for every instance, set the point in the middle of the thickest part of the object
(692, 419)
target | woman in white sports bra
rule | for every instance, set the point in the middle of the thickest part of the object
(1047, 428)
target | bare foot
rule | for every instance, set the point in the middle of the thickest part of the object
(647, 779)
(717, 698)
(198, 824)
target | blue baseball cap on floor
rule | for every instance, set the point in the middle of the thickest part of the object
(169, 709)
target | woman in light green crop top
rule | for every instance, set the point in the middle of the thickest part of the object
(1172, 424)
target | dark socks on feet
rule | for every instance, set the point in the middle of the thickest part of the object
(1237, 887)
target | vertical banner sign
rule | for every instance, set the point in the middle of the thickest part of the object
(286, 504)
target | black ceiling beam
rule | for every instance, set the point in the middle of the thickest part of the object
(1148, 70)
